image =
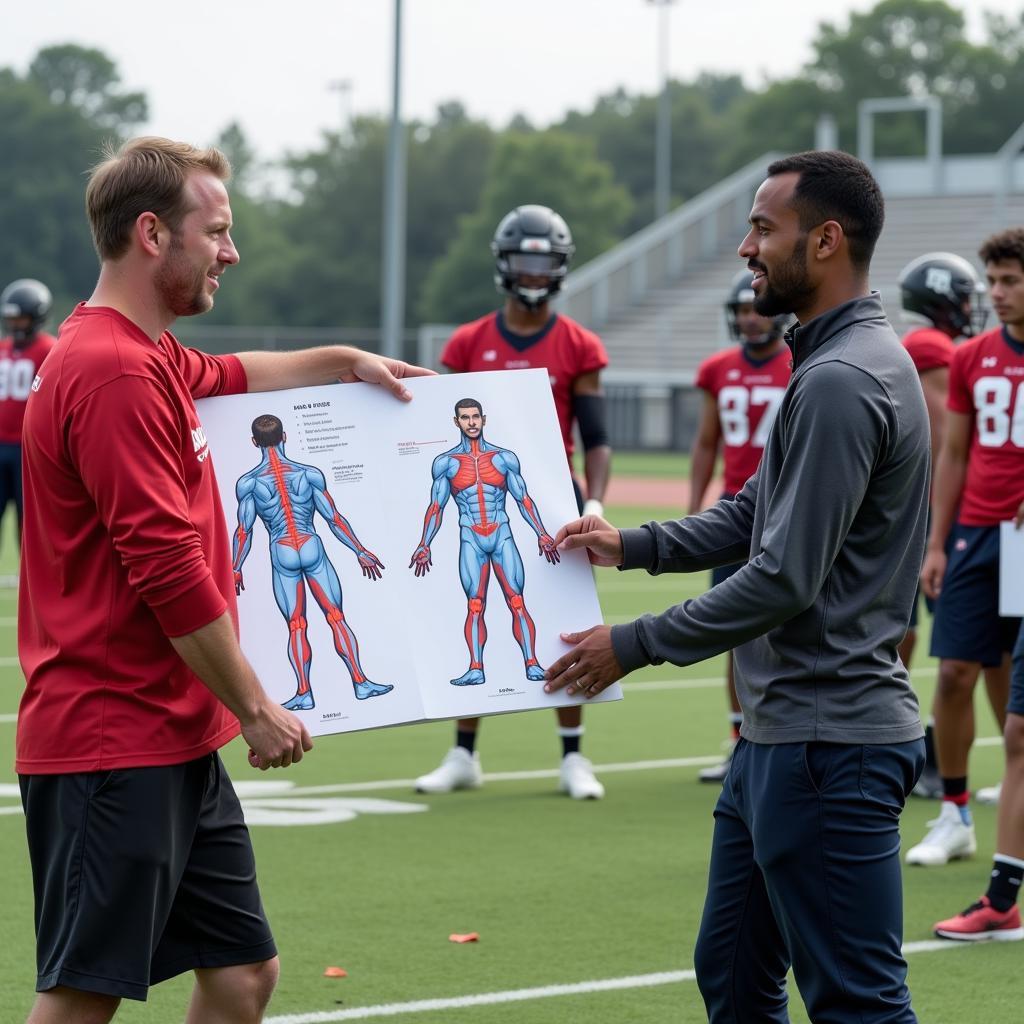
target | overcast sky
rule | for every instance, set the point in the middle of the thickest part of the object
(270, 63)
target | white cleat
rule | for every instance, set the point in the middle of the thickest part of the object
(459, 770)
(718, 772)
(989, 795)
(949, 839)
(576, 777)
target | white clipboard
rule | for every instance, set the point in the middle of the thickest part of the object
(1011, 570)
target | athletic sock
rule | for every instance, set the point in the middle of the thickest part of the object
(570, 736)
(466, 739)
(954, 791)
(1003, 889)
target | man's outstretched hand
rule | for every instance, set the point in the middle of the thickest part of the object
(597, 535)
(589, 668)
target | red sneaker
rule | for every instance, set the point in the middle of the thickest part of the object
(981, 922)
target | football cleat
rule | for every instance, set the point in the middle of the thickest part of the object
(717, 772)
(989, 795)
(981, 922)
(949, 839)
(459, 770)
(576, 777)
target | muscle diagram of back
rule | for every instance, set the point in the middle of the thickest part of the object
(286, 495)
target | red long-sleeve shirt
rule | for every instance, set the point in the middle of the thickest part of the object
(124, 545)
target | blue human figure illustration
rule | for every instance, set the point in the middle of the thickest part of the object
(479, 475)
(286, 495)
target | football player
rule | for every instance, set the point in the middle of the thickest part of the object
(943, 294)
(24, 306)
(532, 249)
(996, 914)
(979, 482)
(742, 387)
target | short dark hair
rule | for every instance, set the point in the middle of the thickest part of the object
(468, 403)
(836, 186)
(267, 431)
(145, 174)
(1007, 245)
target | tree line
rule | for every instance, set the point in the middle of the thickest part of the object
(312, 243)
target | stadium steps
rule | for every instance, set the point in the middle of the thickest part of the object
(671, 330)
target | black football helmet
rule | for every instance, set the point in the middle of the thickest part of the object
(944, 290)
(741, 293)
(531, 241)
(25, 298)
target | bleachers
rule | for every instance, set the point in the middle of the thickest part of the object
(670, 330)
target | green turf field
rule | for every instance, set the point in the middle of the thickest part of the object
(564, 895)
(664, 465)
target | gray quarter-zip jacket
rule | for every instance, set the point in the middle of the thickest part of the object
(833, 525)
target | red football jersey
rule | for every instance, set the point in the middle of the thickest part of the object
(986, 382)
(125, 544)
(930, 348)
(748, 392)
(18, 368)
(562, 347)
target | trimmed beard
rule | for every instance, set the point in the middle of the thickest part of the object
(181, 286)
(791, 287)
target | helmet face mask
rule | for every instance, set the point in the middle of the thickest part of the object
(532, 248)
(24, 306)
(741, 293)
(943, 290)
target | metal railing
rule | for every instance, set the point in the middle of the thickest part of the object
(659, 254)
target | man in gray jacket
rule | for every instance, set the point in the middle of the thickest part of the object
(805, 867)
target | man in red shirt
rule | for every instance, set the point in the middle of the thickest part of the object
(532, 247)
(979, 483)
(996, 914)
(127, 626)
(24, 306)
(941, 291)
(742, 389)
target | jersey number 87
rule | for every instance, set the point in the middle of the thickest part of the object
(735, 404)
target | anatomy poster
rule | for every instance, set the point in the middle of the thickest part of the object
(394, 562)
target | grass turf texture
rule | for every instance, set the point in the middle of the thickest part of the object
(560, 892)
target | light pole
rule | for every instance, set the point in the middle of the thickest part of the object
(392, 298)
(663, 132)
(343, 87)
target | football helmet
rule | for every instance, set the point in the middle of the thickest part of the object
(24, 298)
(532, 242)
(742, 294)
(944, 290)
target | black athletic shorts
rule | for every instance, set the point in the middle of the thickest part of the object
(140, 874)
(967, 624)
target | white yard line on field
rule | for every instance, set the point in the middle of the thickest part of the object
(647, 686)
(520, 995)
(611, 768)
(540, 773)
(548, 773)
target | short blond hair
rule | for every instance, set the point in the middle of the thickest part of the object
(146, 175)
